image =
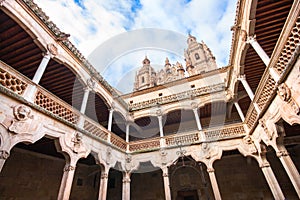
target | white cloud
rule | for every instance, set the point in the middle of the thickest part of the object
(91, 23)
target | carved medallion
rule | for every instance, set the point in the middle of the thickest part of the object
(52, 49)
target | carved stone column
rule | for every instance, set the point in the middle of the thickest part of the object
(84, 100)
(127, 135)
(242, 78)
(259, 50)
(214, 183)
(3, 157)
(166, 183)
(110, 118)
(290, 169)
(238, 108)
(66, 182)
(103, 185)
(126, 186)
(42, 67)
(272, 181)
(161, 130)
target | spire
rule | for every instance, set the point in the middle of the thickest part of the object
(167, 62)
(146, 61)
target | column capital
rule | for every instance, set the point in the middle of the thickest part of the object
(159, 113)
(4, 154)
(210, 170)
(251, 39)
(104, 175)
(126, 180)
(165, 175)
(241, 77)
(264, 164)
(283, 153)
(69, 168)
(111, 109)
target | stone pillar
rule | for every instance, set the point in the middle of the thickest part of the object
(41, 69)
(242, 78)
(195, 110)
(238, 108)
(214, 183)
(290, 169)
(3, 157)
(84, 100)
(103, 185)
(66, 182)
(259, 50)
(272, 181)
(110, 118)
(166, 183)
(161, 130)
(126, 186)
(127, 135)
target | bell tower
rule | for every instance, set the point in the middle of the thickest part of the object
(145, 77)
(198, 57)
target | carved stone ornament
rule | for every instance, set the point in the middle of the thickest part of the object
(165, 174)
(91, 83)
(248, 142)
(126, 180)
(284, 92)
(158, 112)
(163, 155)
(22, 112)
(4, 154)
(22, 121)
(108, 155)
(52, 49)
(1, 2)
(77, 142)
(194, 105)
(265, 128)
(69, 168)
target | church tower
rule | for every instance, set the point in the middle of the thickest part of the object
(145, 77)
(198, 57)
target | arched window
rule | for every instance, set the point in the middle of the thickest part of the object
(197, 56)
(143, 79)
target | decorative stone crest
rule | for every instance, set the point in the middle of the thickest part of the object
(77, 142)
(4, 154)
(194, 105)
(52, 49)
(22, 121)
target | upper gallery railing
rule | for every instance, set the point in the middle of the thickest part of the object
(13, 81)
(284, 53)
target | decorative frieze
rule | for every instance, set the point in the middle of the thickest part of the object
(177, 97)
(222, 133)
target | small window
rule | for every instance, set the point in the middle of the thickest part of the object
(143, 79)
(197, 56)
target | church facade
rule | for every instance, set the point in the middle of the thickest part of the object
(186, 132)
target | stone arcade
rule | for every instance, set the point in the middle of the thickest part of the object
(220, 133)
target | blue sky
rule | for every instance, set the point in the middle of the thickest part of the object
(93, 23)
